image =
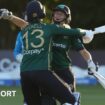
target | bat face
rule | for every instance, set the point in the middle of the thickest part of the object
(100, 29)
(100, 79)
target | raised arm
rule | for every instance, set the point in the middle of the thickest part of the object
(5, 14)
(18, 21)
(87, 35)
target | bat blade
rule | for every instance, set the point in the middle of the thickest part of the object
(100, 29)
(100, 78)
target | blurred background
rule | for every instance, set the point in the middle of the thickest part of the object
(85, 14)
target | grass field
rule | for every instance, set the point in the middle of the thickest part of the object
(90, 95)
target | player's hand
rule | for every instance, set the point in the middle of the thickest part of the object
(100, 29)
(91, 67)
(89, 35)
(19, 58)
(5, 14)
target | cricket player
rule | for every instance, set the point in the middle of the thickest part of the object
(18, 48)
(36, 63)
(61, 62)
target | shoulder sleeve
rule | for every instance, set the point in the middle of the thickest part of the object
(18, 45)
(77, 44)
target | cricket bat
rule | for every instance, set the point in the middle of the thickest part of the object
(100, 78)
(100, 29)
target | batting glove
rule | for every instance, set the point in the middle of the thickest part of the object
(91, 67)
(5, 14)
(19, 58)
(89, 35)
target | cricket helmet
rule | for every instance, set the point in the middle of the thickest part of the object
(65, 9)
(35, 10)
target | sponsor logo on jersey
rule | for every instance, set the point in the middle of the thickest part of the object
(35, 51)
(59, 45)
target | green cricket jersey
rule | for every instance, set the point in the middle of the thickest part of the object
(37, 42)
(60, 49)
